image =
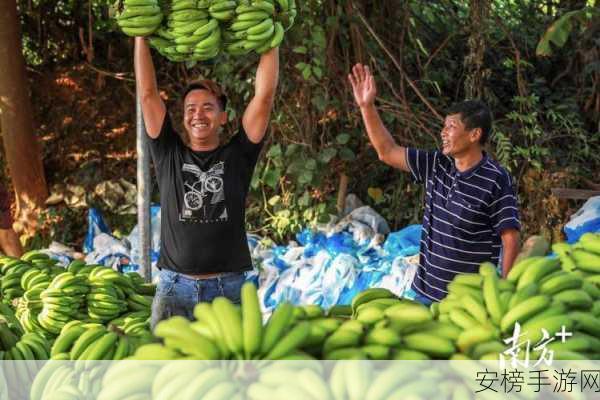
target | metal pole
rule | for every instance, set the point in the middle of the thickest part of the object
(143, 192)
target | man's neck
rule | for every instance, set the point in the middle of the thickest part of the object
(468, 160)
(204, 145)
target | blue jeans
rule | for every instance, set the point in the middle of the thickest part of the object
(177, 294)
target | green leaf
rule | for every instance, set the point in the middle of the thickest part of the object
(296, 166)
(304, 200)
(305, 177)
(327, 155)
(346, 154)
(301, 66)
(300, 50)
(274, 151)
(307, 72)
(271, 177)
(311, 164)
(343, 138)
(292, 149)
(317, 71)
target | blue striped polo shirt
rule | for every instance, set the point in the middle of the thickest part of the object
(465, 212)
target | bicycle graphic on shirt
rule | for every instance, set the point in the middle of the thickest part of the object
(205, 183)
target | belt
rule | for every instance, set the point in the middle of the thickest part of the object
(208, 276)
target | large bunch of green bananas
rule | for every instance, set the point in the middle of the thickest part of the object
(91, 341)
(61, 380)
(197, 30)
(24, 352)
(63, 301)
(538, 294)
(139, 17)
(12, 271)
(254, 28)
(583, 256)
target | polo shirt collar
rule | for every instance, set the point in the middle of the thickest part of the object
(468, 173)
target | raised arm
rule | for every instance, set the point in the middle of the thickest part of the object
(153, 107)
(257, 114)
(364, 89)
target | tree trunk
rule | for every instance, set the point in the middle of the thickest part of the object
(478, 15)
(22, 149)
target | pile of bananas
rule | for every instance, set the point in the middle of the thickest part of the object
(223, 331)
(92, 341)
(583, 256)
(63, 301)
(12, 271)
(139, 17)
(198, 30)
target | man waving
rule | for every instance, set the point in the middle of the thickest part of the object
(471, 213)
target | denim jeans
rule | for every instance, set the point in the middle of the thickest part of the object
(177, 294)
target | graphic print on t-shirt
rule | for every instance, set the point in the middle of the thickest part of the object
(203, 194)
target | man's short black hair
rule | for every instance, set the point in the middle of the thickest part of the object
(474, 114)
(211, 87)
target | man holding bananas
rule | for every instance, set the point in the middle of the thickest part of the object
(471, 213)
(203, 185)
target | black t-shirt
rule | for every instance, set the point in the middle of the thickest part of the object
(203, 196)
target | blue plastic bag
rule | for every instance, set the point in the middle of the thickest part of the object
(405, 242)
(96, 225)
(586, 219)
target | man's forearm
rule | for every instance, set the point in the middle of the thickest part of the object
(145, 74)
(267, 75)
(510, 251)
(378, 133)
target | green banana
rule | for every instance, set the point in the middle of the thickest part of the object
(537, 270)
(427, 343)
(519, 268)
(289, 342)
(491, 296)
(251, 320)
(574, 298)
(276, 326)
(523, 311)
(230, 322)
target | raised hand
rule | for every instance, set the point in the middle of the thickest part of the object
(363, 85)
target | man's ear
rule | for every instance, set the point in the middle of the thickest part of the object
(223, 118)
(476, 134)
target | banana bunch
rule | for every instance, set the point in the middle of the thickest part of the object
(139, 285)
(8, 317)
(91, 341)
(286, 12)
(129, 380)
(11, 271)
(20, 363)
(254, 28)
(222, 10)
(61, 380)
(583, 256)
(303, 380)
(136, 323)
(537, 293)
(139, 17)
(195, 380)
(63, 301)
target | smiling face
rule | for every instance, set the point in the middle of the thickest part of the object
(457, 140)
(202, 116)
